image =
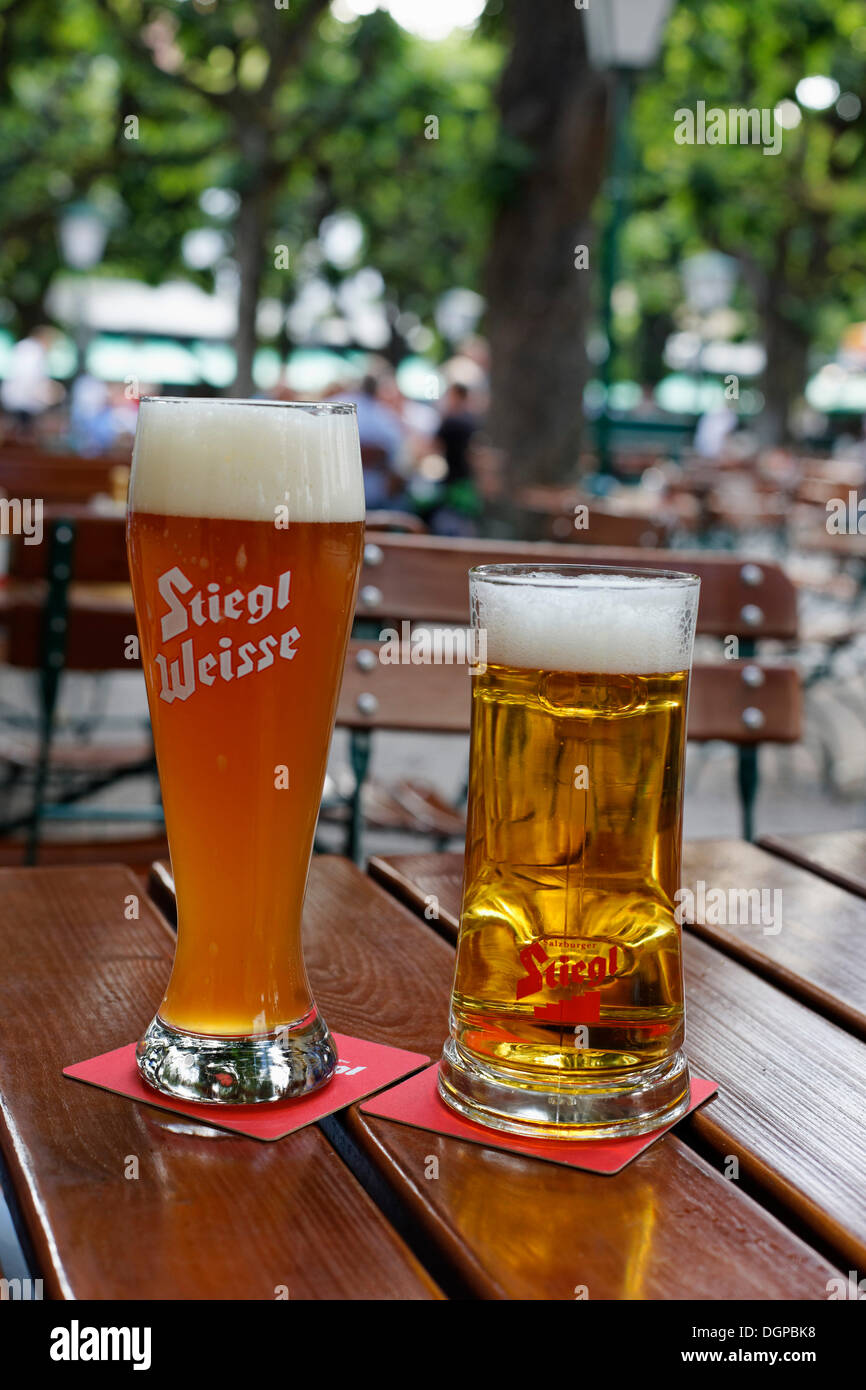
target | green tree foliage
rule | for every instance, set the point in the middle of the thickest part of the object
(796, 221)
(142, 106)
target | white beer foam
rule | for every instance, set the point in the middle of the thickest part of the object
(588, 623)
(241, 460)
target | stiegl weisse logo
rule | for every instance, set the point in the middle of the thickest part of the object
(231, 660)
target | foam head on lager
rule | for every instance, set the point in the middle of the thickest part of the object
(245, 534)
(567, 1014)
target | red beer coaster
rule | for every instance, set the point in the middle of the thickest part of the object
(417, 1102)
(367, 1067)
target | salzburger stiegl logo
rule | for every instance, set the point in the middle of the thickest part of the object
(573, 964)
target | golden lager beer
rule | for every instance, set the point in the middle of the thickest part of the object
(567, 1014)
(245, 533)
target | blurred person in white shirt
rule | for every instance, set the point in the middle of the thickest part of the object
(28, 390)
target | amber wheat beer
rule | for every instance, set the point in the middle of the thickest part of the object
(567, 1014)
(245, 533)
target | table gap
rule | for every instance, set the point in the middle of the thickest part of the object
(395, 1210)
(16, 1229)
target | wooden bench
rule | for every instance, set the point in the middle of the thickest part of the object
(425, 579)
(738, 701)
(548, 513)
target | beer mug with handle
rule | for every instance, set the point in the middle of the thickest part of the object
(245, 532)
(567, 1015)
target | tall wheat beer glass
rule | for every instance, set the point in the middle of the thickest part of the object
(567, 1012)
(245, 532)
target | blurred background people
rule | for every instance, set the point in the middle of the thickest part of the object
(383, 440)
(91, 423)
(459, 508)
(28, 389)
(713, 431)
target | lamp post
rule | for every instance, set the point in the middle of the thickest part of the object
(82, 232)
(622, 36)
(625, 34)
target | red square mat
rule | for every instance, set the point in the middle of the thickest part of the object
(417, 1102)
(365, 1067)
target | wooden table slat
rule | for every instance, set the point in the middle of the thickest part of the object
(837, 855)
(817, 955)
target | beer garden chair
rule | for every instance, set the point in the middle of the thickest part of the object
(423, 581)
(544, 513)
(67, 608)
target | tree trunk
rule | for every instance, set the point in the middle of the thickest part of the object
(786, 373)
(553, 105)
(250, 230)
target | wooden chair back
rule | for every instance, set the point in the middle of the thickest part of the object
(99, 553)
(424, 579)
(58, 478)
(67, 606)
(741, 702)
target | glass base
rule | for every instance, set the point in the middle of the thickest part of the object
(607, 1107)
(237, 1071)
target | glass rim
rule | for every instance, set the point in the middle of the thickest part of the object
(320, 407)
(607, 574)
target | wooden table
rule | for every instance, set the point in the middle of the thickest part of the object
(839, 856)
(350, 1208)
